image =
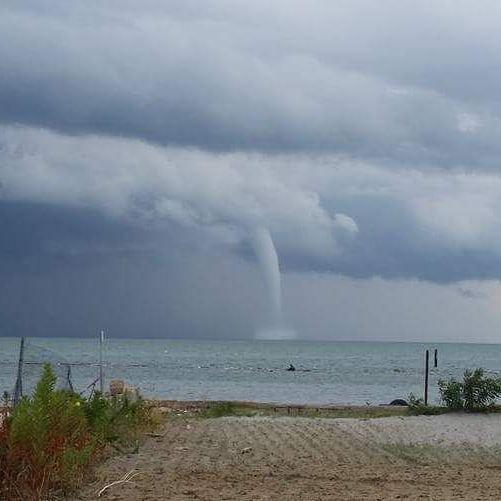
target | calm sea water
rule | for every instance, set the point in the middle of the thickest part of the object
(327, 372)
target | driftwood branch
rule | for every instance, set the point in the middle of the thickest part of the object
(124, 480)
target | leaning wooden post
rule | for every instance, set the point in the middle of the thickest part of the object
(426, 372)
(18, 389)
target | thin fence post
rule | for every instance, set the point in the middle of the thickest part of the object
(18, 389)
(68, 378)
(101, 372)
(426, 372)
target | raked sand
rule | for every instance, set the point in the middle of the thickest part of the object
(453, 456)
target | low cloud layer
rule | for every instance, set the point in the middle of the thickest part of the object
(325, 213)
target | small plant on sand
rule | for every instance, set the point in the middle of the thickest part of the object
(417, 407)
(476, 393)
(125, 419)
(219, 409)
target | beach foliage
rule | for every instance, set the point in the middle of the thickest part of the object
(475, 393)
(451, 394)
(49, 441)
(239, 409)
(417, 407)
(220, 409)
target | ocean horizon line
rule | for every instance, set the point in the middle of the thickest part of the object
(254, 340)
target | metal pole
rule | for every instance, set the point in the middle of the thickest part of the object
(101, 374)
(18, 389)
(426, 371)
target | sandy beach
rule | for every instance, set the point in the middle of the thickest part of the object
(453, 456)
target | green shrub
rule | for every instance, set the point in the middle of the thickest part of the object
(47, 440)
(417, 407)
(480, 392)
(219, 409)
(451, 393)
(52, 439)
(125, 417)
(476, 393)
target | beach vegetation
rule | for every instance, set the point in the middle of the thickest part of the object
(348, 412)
(50, 441)
(220, 409)
(451, 394)
(475, 393)
(417, 407)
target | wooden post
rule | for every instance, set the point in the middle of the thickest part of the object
(436, 359)
(18, 389)
(101, 374)
(426, 372)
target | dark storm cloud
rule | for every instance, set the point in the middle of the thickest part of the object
(31, 229)
(399, 82)
(72, 273)
(141, 143)
(39, 237)
(390, 243)
(324, 213)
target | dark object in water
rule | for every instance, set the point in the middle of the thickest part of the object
(398, 401)
(291, 368)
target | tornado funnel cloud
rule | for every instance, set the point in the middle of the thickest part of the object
(267, 258)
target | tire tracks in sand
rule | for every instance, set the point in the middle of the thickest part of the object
(309, 458)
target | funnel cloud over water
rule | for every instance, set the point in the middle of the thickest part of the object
(268, 261)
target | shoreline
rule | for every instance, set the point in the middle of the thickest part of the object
(249, 404)
(220, 408)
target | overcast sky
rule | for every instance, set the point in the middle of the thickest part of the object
(141, 143)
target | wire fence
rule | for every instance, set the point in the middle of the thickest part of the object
(31, 362)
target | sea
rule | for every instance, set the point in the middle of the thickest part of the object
(351, 373)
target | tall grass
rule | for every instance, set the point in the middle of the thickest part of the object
(51, 440)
